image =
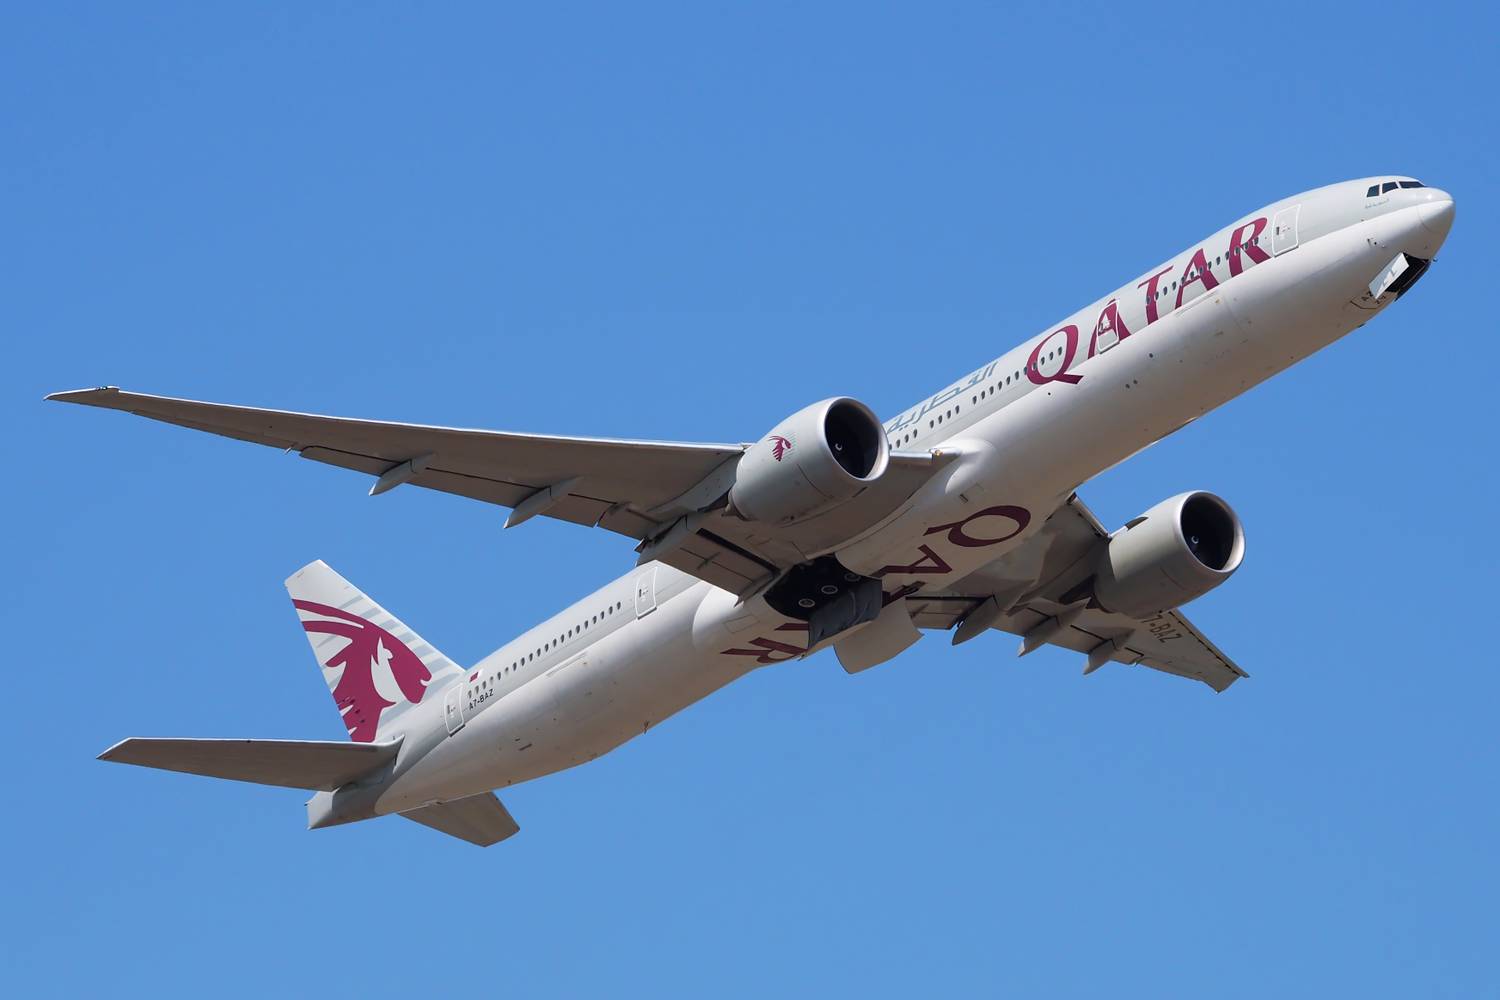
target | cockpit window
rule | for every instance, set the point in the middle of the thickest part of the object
(1376, 190)
(1391, 185)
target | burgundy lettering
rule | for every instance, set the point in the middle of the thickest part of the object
(958, 536)
(1197, 270)
(1239, 242)
(765, 651)
(906, 590)
(1150, 286)
(1070, 339)
(929, 563)
(1109, 322)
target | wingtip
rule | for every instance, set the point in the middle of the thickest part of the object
(79, 395)
(108, 754)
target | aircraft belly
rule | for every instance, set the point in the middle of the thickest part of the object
(615, 690)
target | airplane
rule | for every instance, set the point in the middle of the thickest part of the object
(834, 529)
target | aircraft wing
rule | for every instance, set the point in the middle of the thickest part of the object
(480, 819)
(658, 492)
(1041, 592)
(312, 764)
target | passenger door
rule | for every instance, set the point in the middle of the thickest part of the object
(645, 593)
(1284, 230)
(453, 712)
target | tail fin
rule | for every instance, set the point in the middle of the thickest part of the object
(375, 666)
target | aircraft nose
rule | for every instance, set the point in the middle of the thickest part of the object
(1436, 213)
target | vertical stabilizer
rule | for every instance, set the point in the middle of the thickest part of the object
(375, 666)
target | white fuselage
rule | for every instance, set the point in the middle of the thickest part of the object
(1029, 428)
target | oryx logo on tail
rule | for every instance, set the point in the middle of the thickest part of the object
(367, 664)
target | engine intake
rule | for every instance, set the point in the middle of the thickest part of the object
(1177, 551)
(814, 460)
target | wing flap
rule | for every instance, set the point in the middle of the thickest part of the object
(1186, 652)
(1168, 642)
(321, 765)
(480, 819)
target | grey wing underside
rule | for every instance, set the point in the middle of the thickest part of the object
(660, 493)
(1041, 593)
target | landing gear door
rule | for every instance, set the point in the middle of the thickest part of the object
(1284, 230)
(645, 592)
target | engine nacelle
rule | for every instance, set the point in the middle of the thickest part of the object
(815, 459)
(1178, 550)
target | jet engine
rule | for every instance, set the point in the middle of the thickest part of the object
(1178, 550)
(812, 461)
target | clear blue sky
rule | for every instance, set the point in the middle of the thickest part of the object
(685, 222)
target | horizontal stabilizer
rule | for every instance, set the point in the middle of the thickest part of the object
(315, 764)
(479, 819)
